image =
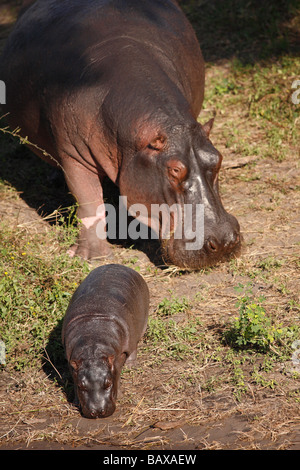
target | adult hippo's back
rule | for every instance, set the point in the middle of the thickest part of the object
(112, 87)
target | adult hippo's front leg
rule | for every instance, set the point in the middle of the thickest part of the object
(86, 187)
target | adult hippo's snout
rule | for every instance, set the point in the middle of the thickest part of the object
(227, 243)
(215, 233)
(213, 250)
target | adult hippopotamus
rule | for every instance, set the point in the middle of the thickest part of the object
(111, 87)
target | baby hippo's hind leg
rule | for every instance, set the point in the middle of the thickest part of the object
(131, 359)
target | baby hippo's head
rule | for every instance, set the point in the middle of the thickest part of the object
(95, 385)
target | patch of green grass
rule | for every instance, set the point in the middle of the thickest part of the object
(172, 339)
(178, 339)
(269, 263)
(260, 97)
(34, 293)
(251, 31)
(169, 307)
(238, 377)
(259, 379)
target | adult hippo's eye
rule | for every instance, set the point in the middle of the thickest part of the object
(158, 143)
(177, 174)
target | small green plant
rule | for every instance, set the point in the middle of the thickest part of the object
(252, 328)
(169, 307)
(226, 86)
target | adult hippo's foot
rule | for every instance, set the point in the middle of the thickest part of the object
(89, 246)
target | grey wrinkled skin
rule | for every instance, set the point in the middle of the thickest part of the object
(114, 88)
(106, 318)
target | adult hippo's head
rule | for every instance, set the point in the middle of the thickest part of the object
(178, 169)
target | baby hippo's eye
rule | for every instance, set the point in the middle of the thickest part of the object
(82, 385)
(108, 383)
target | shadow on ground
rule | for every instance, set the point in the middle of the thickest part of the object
(250, 31)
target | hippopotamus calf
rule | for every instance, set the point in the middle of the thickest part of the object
(114, 88)
(105, 319)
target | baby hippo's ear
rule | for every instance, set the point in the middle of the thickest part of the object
(111, 361)
(75, 364)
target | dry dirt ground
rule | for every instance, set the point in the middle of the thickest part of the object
(179, 404)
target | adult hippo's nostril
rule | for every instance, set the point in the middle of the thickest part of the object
(212, 245)
(233, 240)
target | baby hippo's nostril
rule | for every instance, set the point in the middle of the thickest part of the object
(93, 414)
(97, 413)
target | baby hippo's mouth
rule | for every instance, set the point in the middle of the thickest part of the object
(94, 412)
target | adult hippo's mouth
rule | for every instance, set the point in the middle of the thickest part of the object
(175, 252)
(208, 245)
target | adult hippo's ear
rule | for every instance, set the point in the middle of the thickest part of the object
(111, 362)
(207, 127)
(149, 136)
(158, 143)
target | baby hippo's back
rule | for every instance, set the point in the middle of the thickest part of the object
(111, 293)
